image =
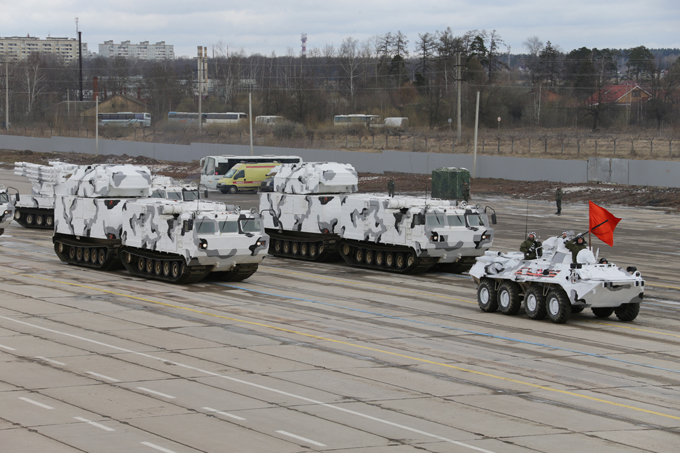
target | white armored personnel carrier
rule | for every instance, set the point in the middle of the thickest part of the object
(37, 210)
(104, 219)
(555, 286)
(6, 209)
(313, 214)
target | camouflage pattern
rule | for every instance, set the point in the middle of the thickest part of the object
(98, 181)
(43, 179)
(6, 209)
(584, 284)
(316, 177)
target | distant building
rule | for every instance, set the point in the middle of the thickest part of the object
(17, 48)
(625, 94)
(142, 51)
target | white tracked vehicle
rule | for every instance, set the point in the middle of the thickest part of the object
(313, 214)
(554, 286)
(104, 219)
(6, 209)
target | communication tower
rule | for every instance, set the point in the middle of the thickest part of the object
(303, 39)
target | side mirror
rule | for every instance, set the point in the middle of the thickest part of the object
(493, 218)
(187, 226)
(205, 193)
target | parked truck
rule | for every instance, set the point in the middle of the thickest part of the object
(6, 209)
(314, 213)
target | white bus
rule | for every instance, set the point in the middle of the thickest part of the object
(268, 119)
(213, 168)
(224, 118)
(183, 117)
(356, 119)
(125, 119)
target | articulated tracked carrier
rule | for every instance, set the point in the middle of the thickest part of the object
(37, 210)
(105, 220)
(6, 209)
(313, 214)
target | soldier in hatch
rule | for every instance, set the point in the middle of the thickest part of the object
(576, 245)
(531, 247)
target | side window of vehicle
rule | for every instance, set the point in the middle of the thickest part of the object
(240, 174)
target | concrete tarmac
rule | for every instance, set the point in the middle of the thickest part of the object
(324, 357)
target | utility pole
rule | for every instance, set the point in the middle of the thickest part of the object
(200, 85)
(80, 59)
(6, 95)
(458, 82)
(95, 85)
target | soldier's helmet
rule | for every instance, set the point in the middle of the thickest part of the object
(532, 235)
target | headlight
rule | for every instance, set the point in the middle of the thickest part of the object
(261, 243)
(203, 245)
(434, 237)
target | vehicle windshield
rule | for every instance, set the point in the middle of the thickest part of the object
(435, 219)
(251, 226)
(176, 196)
(190, 195)
(156, 194)
(229, 226)
(230, 173)
(4, 198)
(475, 220)
(205, 226)
(456, 220)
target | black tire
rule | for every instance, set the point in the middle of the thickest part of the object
(141, 264)
(312, 250)
(278, 245)
(61, 247)
(304, 249)
(487, 296)
(602, 312)
(295, 248)
(534, 303)
(94, 256)
(176, 271)
(359, 255)
(286, 248)
(379, 259)
(509, 299)
(558, 306)
(627, 312)
(410, 259)
(72, 252)
(30, 219)
(86, 254)
(167, 267)
(233, 189)
(369, 257)
(79, 253)
(224, 190)
(149, 266)
(346, 249)
(400, 261)
(39, 219)
(49, 221)
(389, 259)
(101, 256)
(158, 267)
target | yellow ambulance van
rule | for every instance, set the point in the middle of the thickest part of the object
(245, 176)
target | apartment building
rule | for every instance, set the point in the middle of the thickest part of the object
(142, 51)
(17, 48)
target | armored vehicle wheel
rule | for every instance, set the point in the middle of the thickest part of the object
(509, 300)
(602, 312)
(39, 219)
(304, 249)
(72, 252)
(149, 266)
(86, 254)
(400, 261)
(534, 303)
(79, 253)
(94, 256)
(312, 250)
(30, 219)
(627, 312)
(167, 267)
(389, 259)
(101, 256)
(487, 296)
(127, 257)
(158, 267)
(60, 247)
(359, 256)
(295, 248)
(17, 215)
(233, 189)
(577, 309)
(379, 258)
(49, 221)
(141, 264)
(177, 267)
(278, 245)
(286, 247)
(346, 249)
(370, 256)
(558, 306)
(410, 259)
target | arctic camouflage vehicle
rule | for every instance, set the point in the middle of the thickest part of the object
(553, 285)
(6, 209)
(104, 219)
(313, 214)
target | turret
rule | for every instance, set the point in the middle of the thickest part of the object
(316, 177)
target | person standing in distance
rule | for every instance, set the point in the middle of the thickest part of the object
(466, 192)
(558, 200)
(390, 187)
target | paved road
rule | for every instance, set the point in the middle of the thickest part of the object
(324, 357)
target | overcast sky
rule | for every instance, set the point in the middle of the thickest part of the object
(266, 26)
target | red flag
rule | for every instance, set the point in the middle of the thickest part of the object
(602, 223)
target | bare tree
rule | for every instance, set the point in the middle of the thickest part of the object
(350, 59)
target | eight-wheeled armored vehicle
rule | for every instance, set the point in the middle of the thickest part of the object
(314, 214)
(104, 219)
(6, 209)
(555, 285)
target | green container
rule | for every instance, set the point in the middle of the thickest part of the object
(447, 182)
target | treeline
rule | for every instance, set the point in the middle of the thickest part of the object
(388, 75)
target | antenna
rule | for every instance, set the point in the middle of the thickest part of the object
(303, 39)
(76, 25)
(526, 220)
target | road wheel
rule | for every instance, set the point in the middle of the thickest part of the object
(167, 267)
(359, 255)
(158, 267)
(400, 261)
(149, 266)
(79, 253)
(558, 306)
(304, 249)
(86, 254)
(127, 256)
(49, 221)
(60, 247)
(141, 264)
(410, 259)
(278, 245)
(379, 258)
(177, 267)
(602, 312)
(370, 256)
(627, 312)
(17, 215)
(233, 189)
(39, 220)
(509, 300)
(487, 296)
(30, 219)
(101, 256)
(389, 259)
(286, 247)
(534, 303)
(94, 256)
(295, 248)
(346, 249)
(312, 250)
(72, 252)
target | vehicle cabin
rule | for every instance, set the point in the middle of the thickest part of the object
(245, 176)
(214, 168)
